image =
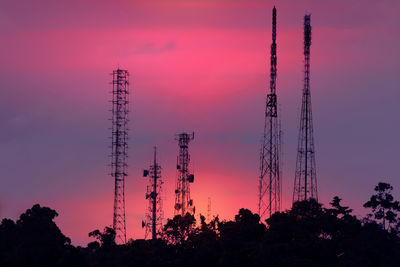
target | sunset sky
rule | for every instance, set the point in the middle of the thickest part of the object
(199, 66)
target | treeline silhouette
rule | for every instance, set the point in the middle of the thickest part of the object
(306, 235)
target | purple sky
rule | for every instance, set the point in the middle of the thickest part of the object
(196, 66)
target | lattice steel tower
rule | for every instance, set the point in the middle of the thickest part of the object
(154, 214)
(209, 209)
(119, 151)
(305, 183)
(270, 177)
(183, 202)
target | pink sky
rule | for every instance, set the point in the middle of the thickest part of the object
(196, 66)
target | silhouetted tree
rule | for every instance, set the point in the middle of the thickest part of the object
(35, 240)
(383, 205)
(203, 241)
(179, 228)
(106, 238)
(305, 235)
(240, 239)
(301, 236)
(338, 209)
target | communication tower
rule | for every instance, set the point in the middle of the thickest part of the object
(183, 202)
(154, 214)
(269, 197)
(119, 136)
(305, 183)
(209, 209)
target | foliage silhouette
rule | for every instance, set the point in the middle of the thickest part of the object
(107, 238)
(308, 234)
(35, 240)
(383, 206)
(179, 228)
(338, 209)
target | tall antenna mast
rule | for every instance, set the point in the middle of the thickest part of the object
(119, 136)
(209, 209)
(269, 200)
(183, 202)
(154, 214)
(305, 183)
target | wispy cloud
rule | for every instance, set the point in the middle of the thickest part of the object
(149, 48)
(152, 48)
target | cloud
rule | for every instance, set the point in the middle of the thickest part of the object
(152, 48)
(149, 48)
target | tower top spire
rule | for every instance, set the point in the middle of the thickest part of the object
(307, 34)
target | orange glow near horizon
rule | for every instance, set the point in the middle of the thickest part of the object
(199, 66)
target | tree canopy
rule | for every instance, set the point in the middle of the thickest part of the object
(308, 234)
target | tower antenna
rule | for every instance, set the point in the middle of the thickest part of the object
(119, 136)
(305, 183)
(209, 209)
(154, 213)
(269, 197)
(183, 202)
